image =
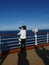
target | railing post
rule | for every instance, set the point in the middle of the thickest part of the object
(47, 37)
(35, 38)
(0, 48)
(0, 39)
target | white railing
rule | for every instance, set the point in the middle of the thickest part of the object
(12, 42)
(0, 39)
(47, 37)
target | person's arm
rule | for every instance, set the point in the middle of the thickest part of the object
(19, 33)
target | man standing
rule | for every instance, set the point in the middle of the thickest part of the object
(22, 34)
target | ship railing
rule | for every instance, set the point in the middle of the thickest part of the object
(9, 42)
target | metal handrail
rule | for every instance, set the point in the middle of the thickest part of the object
(10, 38)
(12, 42)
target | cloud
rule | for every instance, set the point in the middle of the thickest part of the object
(13, 26)
(43, 26)
(16, 25)
(20, 22)
(39, 26)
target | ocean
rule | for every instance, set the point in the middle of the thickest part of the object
(29, 32)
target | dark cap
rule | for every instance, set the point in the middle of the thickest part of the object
(24, 27)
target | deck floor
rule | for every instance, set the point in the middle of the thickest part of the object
(37, 56)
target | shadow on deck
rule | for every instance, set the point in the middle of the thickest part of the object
(3, 57)
(37, 56)
(43, 54)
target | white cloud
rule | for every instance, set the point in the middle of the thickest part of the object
(39, 26)
(12, 26)
(43, 26)
(20, 22)
(16, 25)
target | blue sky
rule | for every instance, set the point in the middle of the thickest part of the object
(32, 13)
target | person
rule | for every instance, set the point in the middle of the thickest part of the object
(22, 38)
(19, 38)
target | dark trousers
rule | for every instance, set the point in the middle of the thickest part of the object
(23, 45)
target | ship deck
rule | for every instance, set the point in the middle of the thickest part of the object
(36, 56)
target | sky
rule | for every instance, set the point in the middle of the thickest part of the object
(32, 13)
